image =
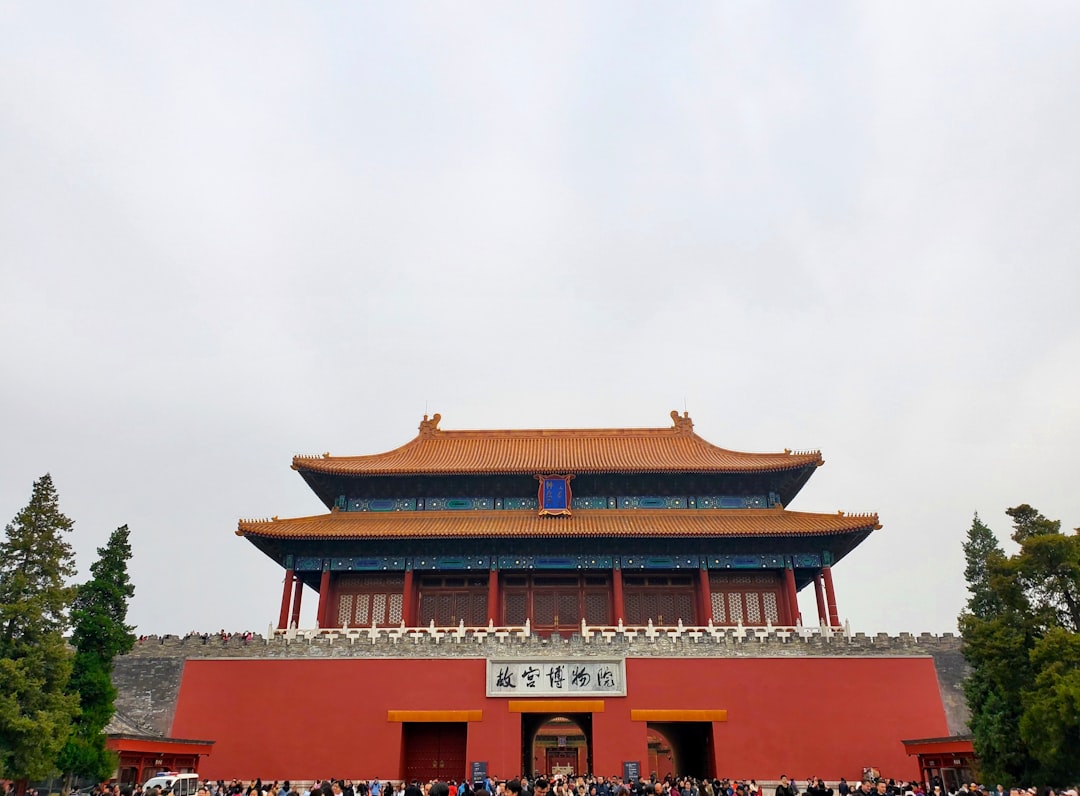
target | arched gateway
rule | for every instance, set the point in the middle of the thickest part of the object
(542, 560)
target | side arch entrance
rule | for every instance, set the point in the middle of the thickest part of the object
(689, 746)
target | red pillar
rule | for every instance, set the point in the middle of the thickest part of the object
(298, 592)
(706, 596)
(616, 596)
(821, 617)
(407, 600)
(324, 599)
(493, 596)
(834, 615)
(286, 593)
(793, 600)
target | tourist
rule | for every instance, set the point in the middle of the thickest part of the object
(785, 788)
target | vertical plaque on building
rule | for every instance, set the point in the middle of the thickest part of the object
(554, 495)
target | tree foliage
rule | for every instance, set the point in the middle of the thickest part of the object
(1021, 630)
(980, 550)
(35, 663)
(100, 633)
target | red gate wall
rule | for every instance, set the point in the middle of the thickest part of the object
(282, 719)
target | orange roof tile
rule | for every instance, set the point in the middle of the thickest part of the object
(673, 449)
(589, 523)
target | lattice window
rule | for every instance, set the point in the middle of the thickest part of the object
(515, 607)
(753, 608)
(444, 609)
(345, 609)
(363, 609)
(397, 601)
(735, 607)
(476, 615)
(635, 609)
(427, 609)
(684, 609)
(543, 609)
(719, 612)
(597, 608)
(569, 610)
(772, 611)
(378, 608)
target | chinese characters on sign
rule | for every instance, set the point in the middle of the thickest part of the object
(518, 678)
(554, 495)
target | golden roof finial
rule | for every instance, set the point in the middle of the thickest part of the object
(429, 427)
(683, 423)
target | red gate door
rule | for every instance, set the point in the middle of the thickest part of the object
(435, 751)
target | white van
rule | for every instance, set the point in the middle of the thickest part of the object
(181, 784)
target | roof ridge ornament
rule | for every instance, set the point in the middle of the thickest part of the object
(683, 423)
(429, 427)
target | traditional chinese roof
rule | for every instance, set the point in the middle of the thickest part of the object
(610, 450)
(347, 525)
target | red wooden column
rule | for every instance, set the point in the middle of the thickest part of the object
(286, 593)
(493, 595)
(407, 599)
(324, 597)
(618, 612)
(706, 596)
(830, 594)
(792, 596)
(821, 616)
(298, 592)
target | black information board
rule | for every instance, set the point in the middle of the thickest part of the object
(631, 771)
(479, 770)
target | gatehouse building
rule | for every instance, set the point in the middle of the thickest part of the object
(589, 600)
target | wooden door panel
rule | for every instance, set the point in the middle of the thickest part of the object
(435, 751)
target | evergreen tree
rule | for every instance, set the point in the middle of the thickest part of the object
(1021, 640)
(35, 664)
(981, 550)
(100, 633)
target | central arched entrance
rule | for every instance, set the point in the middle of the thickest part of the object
(556, 743)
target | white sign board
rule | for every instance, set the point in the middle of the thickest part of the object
(547, 678)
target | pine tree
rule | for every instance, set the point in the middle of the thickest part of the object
(980, 550)
(1021, 639)
(35, 663)
(100, 633)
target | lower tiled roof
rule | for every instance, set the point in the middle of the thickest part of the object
(600, 523)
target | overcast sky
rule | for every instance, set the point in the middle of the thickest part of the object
(230, 233)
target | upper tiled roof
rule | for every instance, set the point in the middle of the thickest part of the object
(596, 523)
(610, 450)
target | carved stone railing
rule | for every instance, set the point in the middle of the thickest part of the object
(496, 640)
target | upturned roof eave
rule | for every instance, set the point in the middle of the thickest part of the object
(563, 468)
(690, 520)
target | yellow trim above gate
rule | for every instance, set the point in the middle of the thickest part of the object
(434, 715)
(555, 705)
(678, 715)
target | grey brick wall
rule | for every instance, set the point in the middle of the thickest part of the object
(147, 689)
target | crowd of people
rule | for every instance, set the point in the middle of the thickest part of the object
(561, 785)
(889, 787)
(222, 635)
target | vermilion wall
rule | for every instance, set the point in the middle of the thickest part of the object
(303, 719)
